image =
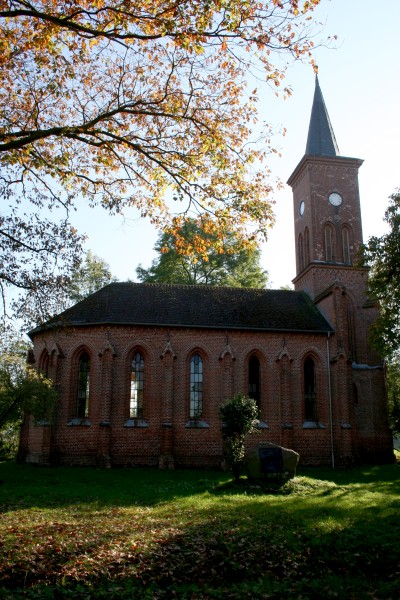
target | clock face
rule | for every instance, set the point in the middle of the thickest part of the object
(301, 208)
(335, 199)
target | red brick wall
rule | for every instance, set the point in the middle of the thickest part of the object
(168, 440)
(312, 182)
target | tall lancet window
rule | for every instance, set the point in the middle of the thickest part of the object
(310, 396)
(301, 253)
(137, 387)
(196, 387)
(346, 246)
(254, 380)
(44, 364)
(306, 247)
(328, 244)
(82, 402)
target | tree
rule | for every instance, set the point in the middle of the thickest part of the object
(239, 417)
(382, 256)
(89, 277)
(393, 387)
(134, 103)
(36, 256)
(84, 278)
(22, 390)
(226, 265)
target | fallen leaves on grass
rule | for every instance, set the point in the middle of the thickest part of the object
(227, 541)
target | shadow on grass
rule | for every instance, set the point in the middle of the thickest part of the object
(244, 549)
(23, 486)
(145, 533)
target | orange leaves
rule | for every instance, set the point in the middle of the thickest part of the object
(144, 103)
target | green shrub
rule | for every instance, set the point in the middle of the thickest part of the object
(239, 417)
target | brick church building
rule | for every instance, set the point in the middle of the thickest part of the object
(142, 369)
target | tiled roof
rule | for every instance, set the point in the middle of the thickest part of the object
(194, 306)
(321, 140)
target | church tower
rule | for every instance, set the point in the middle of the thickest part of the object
(327, 215)
(328, 234)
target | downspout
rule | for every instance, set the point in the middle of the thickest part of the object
(330, 399)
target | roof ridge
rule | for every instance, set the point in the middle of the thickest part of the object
(197, 286)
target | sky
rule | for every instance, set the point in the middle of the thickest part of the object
(360, 83)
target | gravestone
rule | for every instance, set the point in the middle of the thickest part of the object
(271, 461)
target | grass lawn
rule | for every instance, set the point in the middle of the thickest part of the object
(148, 534)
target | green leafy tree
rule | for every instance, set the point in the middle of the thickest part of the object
(393, 387)
(382, 256)
(22, 390)
(91, 275)
(134, 103)
(239, 417)
(225, 265)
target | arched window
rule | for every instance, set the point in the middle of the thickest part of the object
(196, 387)
(346, 246)
(44, 364)
(329, 250)
(137, 387)
(82, 403)
(254, 380)
(306, 247)
(310, 397)
(301, 253)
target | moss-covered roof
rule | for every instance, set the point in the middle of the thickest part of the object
(194, 306)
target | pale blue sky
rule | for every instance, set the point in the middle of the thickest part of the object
(360, 82)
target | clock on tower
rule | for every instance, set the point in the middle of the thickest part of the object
(335, 199)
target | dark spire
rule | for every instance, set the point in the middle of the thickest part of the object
(321, 139)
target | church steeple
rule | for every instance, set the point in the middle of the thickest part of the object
(321, 140)
(327, 214)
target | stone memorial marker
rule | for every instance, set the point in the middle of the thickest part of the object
(271, 461)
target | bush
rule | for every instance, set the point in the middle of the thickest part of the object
(239, 417)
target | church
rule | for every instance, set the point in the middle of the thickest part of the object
(141, 369)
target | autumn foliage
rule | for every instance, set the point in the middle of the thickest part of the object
(122, 534)
(136, 103)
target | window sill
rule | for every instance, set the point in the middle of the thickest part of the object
(313, 425)
(76, 422)
(197, 424)
(261, 425)
(287, 426)
(139, 423)
(345, 425)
